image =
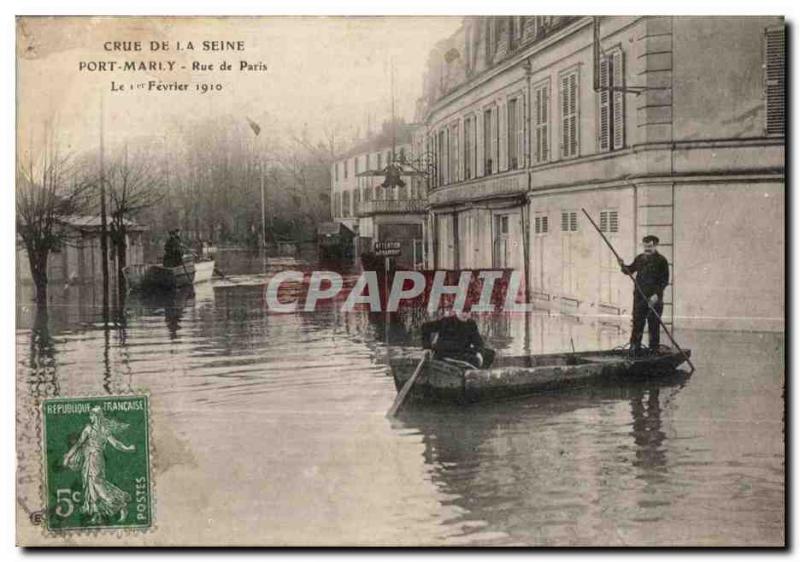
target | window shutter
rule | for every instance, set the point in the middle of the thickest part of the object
(522, 153)
(537, 225)
(545, 123)
(564, 222)
(605, 106)
(545, 226)
(502, 123)
(604, 221)
(573, 107)
(573, 221)
(564, 95)
(446, 152)
(494, 156)
(459, 143)
(618, 81)
(537, 109)
(775, 75)
(613, 221)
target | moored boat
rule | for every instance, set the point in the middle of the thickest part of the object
(203, 271)
(159, 277)
(524, 375)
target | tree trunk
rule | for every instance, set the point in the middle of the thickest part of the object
(38, 265)
(122, 257)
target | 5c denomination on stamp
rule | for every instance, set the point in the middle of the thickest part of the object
(97, 463)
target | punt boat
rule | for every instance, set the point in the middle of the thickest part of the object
(157, 277)
(452, 381)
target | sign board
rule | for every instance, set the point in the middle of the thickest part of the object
(386, 249)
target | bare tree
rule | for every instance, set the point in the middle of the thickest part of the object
(49, 191)
(133, 186)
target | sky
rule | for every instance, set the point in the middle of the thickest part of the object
(323, 73)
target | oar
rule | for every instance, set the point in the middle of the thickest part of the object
(641, 293)
(401, 396)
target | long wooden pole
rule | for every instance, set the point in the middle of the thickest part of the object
(641, 293)
(401, 396)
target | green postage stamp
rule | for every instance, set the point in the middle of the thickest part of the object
(97, 463)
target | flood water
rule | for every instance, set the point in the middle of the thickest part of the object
(270, 429)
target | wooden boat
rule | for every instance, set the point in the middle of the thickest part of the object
(157, 277)
(519, 376)
(203, 271)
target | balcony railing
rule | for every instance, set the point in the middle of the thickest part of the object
(391, 206)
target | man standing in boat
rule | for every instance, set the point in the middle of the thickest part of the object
(455, 336)
(652, 277)
(173, 249)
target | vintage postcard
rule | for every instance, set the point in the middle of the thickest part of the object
(483, 281)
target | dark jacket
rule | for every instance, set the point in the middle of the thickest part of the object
(652, 273)
(455, 336)
(173, 251)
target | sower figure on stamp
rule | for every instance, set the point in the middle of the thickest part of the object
(101, 498)
(652, 277)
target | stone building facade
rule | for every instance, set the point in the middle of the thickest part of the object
(676, 129)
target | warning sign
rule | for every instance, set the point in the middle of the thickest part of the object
(387, 249)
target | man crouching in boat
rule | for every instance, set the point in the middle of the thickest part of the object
(455, 337)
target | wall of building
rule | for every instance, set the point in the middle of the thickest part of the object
(729, 252)
(571, 267)
(728, 102)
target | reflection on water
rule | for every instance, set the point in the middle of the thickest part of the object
(270, 427)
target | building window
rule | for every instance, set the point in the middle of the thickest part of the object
(344, 167)
(470, 147)
(468, 47)
(540, 224)
(775, 80)
(514, 130)
(502, 242)
(487, 142)
(609, 221)
(569, 221)
(345, 203)
(453, 160)
(512, 32)
(542, 122)
(380, 162)
(612, 101)
(490, 39)
(568, 93)
(440, 159)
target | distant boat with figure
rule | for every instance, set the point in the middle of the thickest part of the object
(146, 276)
